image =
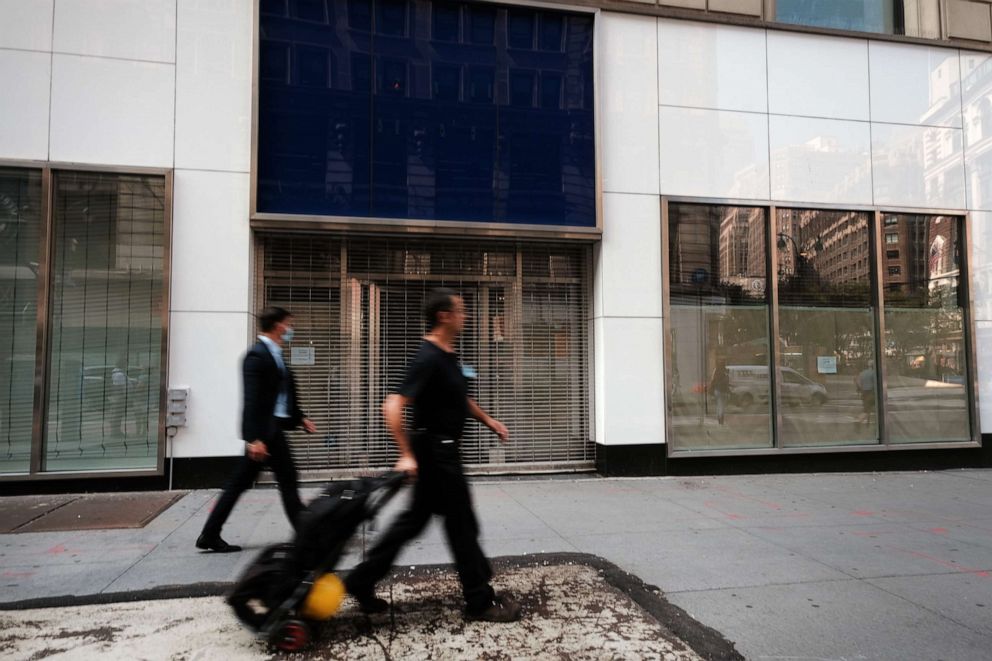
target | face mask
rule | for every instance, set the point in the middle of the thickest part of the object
(288, 335)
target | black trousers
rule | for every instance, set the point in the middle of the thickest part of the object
(441, 488)
(281, 462)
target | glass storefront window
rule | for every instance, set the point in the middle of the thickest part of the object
(827, 328)
(106, 322)
(838, 277)
(925, 361)
(884, 16)
(719, 379)
(20, 248)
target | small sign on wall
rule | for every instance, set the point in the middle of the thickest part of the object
(826, 364)
(302, 356)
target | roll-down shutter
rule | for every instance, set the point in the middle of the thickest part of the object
(357, 308)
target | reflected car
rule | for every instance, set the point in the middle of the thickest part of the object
(749, 384)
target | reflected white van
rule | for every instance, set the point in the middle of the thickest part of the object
(749, 384)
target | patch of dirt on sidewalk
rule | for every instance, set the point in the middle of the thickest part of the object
(572, 610)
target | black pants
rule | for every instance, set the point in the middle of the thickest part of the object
(441, 488)
(281, 462)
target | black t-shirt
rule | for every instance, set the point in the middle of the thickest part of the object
(439, 390)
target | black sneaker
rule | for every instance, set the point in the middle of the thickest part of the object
(215, 544)
(503, 609)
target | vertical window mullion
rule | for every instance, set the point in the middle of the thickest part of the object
(43, 338)
(878, 304)
(969, 328)
(774, 336)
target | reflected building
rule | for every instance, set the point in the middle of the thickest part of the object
(741, 245)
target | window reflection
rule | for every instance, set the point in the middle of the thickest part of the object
(830, 368)
(470, 112)
(520, 29)
(719, 389)
(884, 16)
(447, 17)
(20, 247)
(482, 25)
(826, 326)
(925, 362)
(106, 322)
(391, 17)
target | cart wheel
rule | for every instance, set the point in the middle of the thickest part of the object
(290, 636)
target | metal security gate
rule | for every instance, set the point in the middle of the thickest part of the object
(357, 305)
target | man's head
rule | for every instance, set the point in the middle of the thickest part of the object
(277, 323)
(444, 308)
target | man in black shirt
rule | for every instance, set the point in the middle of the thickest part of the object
(435, 385)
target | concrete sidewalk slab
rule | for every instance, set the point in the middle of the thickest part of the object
(962, 598)
(878, 550)
(832, 620)
(705, 559)
(701, 540)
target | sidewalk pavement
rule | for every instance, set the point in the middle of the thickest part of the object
(831, 566)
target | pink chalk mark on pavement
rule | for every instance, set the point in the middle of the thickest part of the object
(950, 564)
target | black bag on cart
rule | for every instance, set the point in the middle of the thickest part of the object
(270, 594)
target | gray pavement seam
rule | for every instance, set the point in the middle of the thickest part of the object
(162, 541)
(940, 615)
(539, 518)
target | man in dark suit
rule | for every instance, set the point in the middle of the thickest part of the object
(270, 409)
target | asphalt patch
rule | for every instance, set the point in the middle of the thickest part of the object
(576, 606)
(90, 512)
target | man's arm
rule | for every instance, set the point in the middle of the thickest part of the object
(298, 416)
(498, 427)
(253, 422)
(392, 412)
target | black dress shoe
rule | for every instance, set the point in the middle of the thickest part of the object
(502, 609)
(370, 604)
(215, 544)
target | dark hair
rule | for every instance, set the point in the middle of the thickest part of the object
(439, 300)
(271, 316)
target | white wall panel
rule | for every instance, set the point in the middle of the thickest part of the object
(628, 91)
(820, 160)
(817, 76)
(130, 29)
(981, 265)
(630, 256)
(630, 406)
(713, 153)
(112, 111)
(26, 24)
(918, 166)
(984, 332)
(210, 242)
(913, 84)
(25, 78)
(711, 66)
(976, 90)
(205, 354)
(213, 86)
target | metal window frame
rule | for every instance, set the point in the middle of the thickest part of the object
(771, 6)
(884, 444)
(315, 223)
(43, 329)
